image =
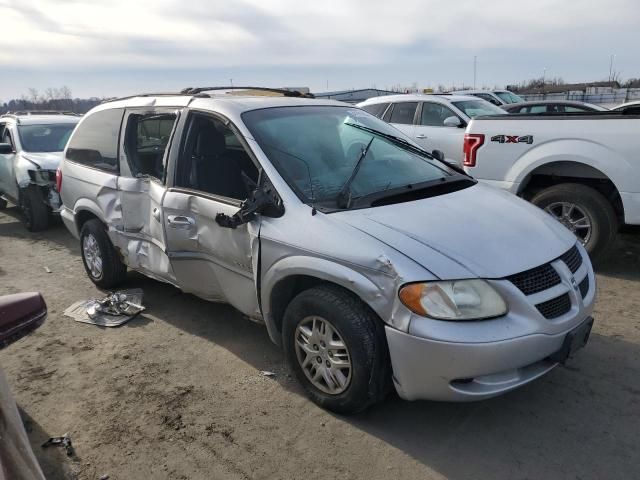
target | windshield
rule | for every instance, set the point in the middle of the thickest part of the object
(316, 150)
(474, 108)
(509, 97)
(45, 138)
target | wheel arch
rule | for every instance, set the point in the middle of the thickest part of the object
(570, 171)
(288, 277)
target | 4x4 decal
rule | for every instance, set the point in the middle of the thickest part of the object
(528, 139)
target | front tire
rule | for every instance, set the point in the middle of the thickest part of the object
(337, 349)
(584, 211)
(34, 210)
(100, 259)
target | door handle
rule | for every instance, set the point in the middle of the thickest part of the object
(421, 136)
(180, 221)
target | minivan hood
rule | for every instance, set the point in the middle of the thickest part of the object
(486, 232)
(45, 160)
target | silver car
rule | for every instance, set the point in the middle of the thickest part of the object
(370, 262)
(31, 145)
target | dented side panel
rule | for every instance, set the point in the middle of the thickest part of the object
(211, 261)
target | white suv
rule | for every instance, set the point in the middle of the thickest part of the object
(31, 145)
(432, 121)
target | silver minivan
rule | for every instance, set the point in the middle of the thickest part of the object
(373, 264)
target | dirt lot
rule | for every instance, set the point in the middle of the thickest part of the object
(177, 393)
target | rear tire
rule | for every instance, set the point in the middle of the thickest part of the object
(597, 210)
(34, 210)
(349, 322)
(99, 257)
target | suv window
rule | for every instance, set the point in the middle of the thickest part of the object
(146, 139)
(5, 135)
(95, 141)
(403, 113)
(487, 97)
(434, 114)
(214, 161)
(377, 109)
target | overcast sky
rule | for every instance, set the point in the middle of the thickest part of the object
(119, 47)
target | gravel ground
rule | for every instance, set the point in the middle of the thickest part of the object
(177, 393)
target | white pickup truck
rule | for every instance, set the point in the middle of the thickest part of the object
(582, 168)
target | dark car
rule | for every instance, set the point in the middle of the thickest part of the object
(20, 314)
(552, 106)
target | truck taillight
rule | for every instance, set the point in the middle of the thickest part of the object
(472, 142)
(58, 180)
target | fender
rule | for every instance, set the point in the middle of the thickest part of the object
(589, 153)
(329, 271)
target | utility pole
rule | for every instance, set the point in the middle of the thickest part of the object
(613, 55)
(475, 70)
(231, 81)
(544, 81)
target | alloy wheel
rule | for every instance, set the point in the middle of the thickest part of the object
(92, 255)
(323, 355)
(573, 217)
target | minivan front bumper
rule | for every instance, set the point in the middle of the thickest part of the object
(426, 369)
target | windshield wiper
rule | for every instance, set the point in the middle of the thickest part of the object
(401, 142)
(344, 197)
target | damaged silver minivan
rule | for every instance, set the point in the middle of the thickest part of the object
(31, 145)
(372, 263)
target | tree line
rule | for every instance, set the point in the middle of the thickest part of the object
(59, 99)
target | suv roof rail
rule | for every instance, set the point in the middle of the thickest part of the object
(283, 91)
(200, 92)
(40, 112)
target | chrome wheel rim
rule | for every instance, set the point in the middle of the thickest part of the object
(92, 257)
(323, 355)
(573, 217)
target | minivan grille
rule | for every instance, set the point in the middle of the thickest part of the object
(573, 259)
(555, 307)
(535, 280)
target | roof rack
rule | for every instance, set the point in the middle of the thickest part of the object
(283, 91)
(200, 92)
(40, 112)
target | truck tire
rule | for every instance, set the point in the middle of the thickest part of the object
(337, 349)
(34, 210)
(99, 257)
(585, 211)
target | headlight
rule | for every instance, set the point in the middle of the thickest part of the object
(453, 300)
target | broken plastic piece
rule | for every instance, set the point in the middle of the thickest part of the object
(64, 441)
(113, 310)
(266, 373)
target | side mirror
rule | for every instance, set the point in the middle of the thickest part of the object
(263, 200)
(438, 155)
(5, 148)
(452, 121)
(20, 314)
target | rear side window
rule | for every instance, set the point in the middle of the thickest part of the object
(146, 139)
(403, 113)
(377, 109)
(95, 141)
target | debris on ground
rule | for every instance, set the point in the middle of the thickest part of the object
(113, 310)
(64, 441)
(47, 269)
(266, 373)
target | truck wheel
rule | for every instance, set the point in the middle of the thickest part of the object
(337, 349)
(99, 257)
(34, 210)
(584, 211)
